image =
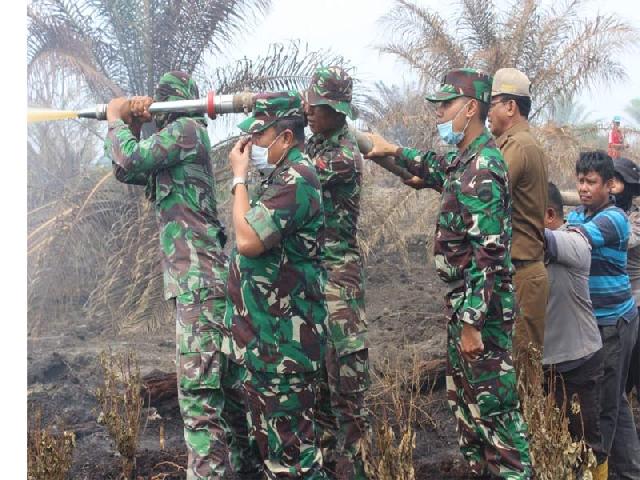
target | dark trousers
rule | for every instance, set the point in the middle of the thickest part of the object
(633, 379)
(619, 435)
(582, 384)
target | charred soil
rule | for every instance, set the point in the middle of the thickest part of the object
(405, 313)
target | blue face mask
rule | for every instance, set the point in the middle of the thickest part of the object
(446, 130)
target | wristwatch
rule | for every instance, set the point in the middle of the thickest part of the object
(237, 181)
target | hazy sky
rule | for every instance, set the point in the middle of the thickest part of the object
(351, 29)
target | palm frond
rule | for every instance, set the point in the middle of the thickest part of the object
(420, 37)
(560, 49)
(132, 43)
(283, 67)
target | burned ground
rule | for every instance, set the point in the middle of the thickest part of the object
(405, 314)
(404, 309)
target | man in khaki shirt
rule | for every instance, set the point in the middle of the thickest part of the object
(527, 164)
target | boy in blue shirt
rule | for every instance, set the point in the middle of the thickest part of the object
(607, 228)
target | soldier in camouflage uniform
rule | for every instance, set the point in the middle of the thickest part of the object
(472, 255)
(174, 165)
(276, 312)
(342, 416)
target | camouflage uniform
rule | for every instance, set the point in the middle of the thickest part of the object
(472, 255)
(274, 322)
(175, 167)
(342, 416)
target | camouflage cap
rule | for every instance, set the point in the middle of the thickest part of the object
(463, 82)
(271, 107)
(176, 85)
(331, 86)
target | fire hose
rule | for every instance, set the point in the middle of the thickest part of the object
(213, 105)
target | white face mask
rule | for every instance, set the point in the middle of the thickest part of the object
(260, 156)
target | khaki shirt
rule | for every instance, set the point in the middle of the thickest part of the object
(527, 165)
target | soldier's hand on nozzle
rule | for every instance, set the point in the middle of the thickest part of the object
(415, 182)
(140, 108)
(118, 109)
(471, 344)
(239, 157)
(381, 147)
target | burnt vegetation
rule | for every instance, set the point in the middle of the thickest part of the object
(92, 242)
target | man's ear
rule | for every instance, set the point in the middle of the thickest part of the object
(472, 108)
(550, 213)
(289, 137)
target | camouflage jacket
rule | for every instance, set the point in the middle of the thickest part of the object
(339, 166)
(275, 316)
(473, 233)
(174, 165)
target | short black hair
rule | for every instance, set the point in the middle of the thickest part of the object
(483, 110)
(554, 198)
(295, 124)
(523, 103)
(598, 162)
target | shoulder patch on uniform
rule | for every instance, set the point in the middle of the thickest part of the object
(484, 190)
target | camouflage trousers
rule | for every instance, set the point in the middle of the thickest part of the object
(280, 419)
(342, 416)
(482, 394)
(211, 400)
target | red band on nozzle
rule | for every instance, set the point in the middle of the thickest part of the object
(211, 105)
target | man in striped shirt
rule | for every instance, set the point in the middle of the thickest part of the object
(607, 229)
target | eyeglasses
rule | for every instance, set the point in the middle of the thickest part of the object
(493, 104)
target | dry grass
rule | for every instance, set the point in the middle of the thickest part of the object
(393, 217)
(66, 249)
(130, 294)
(400, 401)
(121, 405)
(555, 455)
(49, 450)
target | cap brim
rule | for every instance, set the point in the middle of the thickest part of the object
(252, 125)
(515, 94)
(314, 99)
(442, 96)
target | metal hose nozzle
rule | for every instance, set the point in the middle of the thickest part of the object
(212, 105)
(99, 112)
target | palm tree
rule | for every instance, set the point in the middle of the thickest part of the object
(561, 51)
(118, 47)
(123, 47)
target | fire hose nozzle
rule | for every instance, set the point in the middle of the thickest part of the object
(99, 112)
(212, 105)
